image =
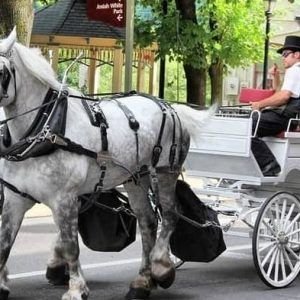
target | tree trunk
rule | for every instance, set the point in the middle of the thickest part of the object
(17, 13)
(195, 85)
(216, 79)
(195, 78)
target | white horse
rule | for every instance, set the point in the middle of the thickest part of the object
(56, 179)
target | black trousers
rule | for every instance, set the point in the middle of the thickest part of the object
(271, 123)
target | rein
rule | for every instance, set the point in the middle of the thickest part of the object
(27, 112)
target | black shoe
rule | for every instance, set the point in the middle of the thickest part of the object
(271, 169)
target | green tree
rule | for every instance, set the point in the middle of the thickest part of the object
(17, 13)
(207, 36)
(41, 3)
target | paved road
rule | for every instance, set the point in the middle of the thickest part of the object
(230, 277)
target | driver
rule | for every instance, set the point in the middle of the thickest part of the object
(277, 109)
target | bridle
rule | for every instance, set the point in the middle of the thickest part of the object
(6, 74)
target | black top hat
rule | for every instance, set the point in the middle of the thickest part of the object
(292, 42)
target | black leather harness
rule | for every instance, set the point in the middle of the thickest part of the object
(50, 119)
(42, 140)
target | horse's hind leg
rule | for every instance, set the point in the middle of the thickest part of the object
(141, 286)
(67, 248)
(162, 268)
(12, 215)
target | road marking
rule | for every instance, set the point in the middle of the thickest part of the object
(84, 267)
(227, 253)
(237, 255)
(237, 233)
(239, 247)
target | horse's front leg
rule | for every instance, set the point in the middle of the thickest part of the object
(13, 212)
(141, 286)
(57, 267)
(67, 248)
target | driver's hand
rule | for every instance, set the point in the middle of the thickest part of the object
(255, 105)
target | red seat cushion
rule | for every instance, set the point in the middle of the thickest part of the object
(282, 133)
(253, 95)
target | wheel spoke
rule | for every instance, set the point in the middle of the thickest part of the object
(288, 215)
(266, 247)
(293, 232)
(282, 214)
(277, 211)
(294, 242)
(268, 255)
(277, 264)
(265, 236)
(272, 262)
(282, 265)
(287, 259)
(293, 221)
(292, 252)
(269, 227)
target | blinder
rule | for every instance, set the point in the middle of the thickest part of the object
(6, 76)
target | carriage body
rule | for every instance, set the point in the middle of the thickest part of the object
(233, 184)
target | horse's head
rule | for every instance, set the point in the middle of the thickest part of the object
(7, 76)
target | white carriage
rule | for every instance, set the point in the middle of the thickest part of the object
(270, 206)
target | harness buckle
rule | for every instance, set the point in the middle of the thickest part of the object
(156, 154)
(55, 139)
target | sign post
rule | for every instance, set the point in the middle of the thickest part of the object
(129, 44)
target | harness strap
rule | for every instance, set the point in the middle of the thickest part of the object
(173, 147)
(67, 145)
(17, 191)
(99, 185)
(157, 149)
(155, 193)
(134, 125)
(101, 120)
(89, 112)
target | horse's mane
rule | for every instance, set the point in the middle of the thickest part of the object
(37, 65)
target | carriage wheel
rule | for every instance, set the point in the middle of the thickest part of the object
(276, 240)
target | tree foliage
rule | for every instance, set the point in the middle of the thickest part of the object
(237, 36)
(17, 13)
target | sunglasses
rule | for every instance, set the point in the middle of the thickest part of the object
(286, 54)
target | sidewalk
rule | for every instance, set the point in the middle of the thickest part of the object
(39, 210)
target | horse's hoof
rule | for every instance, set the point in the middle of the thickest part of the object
(137, 294)
(58, 275)
(4, 294)
(166, 280)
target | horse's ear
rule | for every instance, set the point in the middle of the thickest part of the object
(8, 43)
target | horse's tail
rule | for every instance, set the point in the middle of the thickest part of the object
(193, 120)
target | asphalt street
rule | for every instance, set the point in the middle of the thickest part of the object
(232, 276)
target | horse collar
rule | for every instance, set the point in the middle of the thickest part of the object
(34, 142)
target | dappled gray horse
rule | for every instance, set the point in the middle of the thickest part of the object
(135, 132)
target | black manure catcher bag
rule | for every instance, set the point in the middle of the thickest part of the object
(107, 224)
(190, 241)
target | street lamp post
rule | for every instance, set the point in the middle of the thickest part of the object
(269, 5)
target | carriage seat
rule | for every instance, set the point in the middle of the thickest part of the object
(252, 95)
